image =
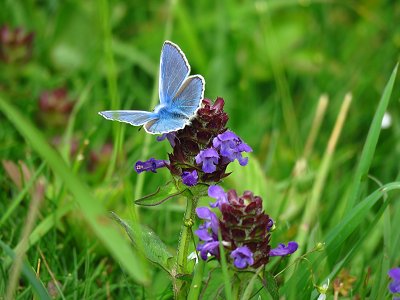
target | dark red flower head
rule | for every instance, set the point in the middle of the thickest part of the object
(15, 45)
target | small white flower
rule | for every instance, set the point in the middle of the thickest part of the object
(322, 290)
(194, 256)
(386, 121)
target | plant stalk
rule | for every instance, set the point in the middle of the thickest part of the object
(184, 242)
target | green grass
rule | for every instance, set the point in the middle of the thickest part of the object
(334, 181)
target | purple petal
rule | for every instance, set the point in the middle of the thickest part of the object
(170, 136)
(217, 192)
(210, 152)
(150, 165)
(242, 257)
(209, 157)
(394, 287)
(190, 178)
(282, 250)
(208, 166)
(211, 247)
(394, 274)
(243, 147)
(203, 235)
(206, 214)
(243, 160)
(270, 224)
(227, 135)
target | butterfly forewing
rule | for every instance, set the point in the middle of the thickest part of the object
(174, 69)
(133, 117)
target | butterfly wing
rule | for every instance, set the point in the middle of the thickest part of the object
(174, 69)
(166, 123)
(133, 117)
(188, 97)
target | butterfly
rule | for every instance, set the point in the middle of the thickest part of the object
(180, 96)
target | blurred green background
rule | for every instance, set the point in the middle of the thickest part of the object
(269, 60)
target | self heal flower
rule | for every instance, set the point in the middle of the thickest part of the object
(15, 45)
(394, 286)
(208, 248)
(210, 120)
(242, 257)
(207, 233)
(211, 218)
(283, 250)
(217, 192)
(209, 159)
(150, 165)
(170, 136)
(190, 178)
(231, 147)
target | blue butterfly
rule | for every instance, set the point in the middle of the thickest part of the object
(180, 96)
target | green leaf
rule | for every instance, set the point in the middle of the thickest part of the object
(162, 194)
(213, 287)
(155, 250)
(271, 285)
(29, 274)
(91, 208)
(338, 235)
(371, 142)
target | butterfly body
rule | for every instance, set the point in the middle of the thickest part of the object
(180, 96)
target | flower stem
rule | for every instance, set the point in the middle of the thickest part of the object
(183, 246)
(186, 233)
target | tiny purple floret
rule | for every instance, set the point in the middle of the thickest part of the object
(150, 165)
(218, 193)
(211, 218)
(283, 250)
(242, 257)
(209, 237)
(208, 248)
(394, 286)
(170, 136)
(209, 158)
(190, 178)
(231, 147)
(270, 224)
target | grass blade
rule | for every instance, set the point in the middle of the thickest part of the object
(371, 142)
(93, 212)
(29, 274)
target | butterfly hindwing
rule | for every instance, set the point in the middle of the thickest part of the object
(187, 99)
(174, 69)
(165, 124)
(133, 117)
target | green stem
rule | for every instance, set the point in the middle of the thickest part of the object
(186, 233)
(195, 287)
(183, 246)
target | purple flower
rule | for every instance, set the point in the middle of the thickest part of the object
(208, 248)
(170, 136)
(209, 158)
(283, 250)
(211, 218)
(394, 286)
(210, 238)
(190, 178)
(270, 224)
(150, 165)
(217, 192)
(242, 257)
(231, 147)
